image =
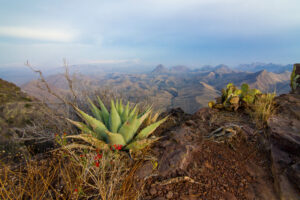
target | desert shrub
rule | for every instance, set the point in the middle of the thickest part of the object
(259, 106)
(262, 109)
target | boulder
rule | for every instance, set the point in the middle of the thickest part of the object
(284, 132)
(295, 79)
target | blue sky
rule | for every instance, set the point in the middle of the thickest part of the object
(190, 32)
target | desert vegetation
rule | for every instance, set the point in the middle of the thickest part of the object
(259, 106)
(118, 128)
(98, 160)
(100, 147)
(69, 175)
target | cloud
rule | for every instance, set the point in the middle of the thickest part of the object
(152, 30)
(52, 35)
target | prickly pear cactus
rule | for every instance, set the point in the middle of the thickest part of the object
(234, 98)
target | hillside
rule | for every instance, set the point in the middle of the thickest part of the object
(167, 88)
(24, 121)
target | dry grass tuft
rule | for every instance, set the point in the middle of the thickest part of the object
(72, 175)
(263, 109)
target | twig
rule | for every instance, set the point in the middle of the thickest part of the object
(177, 180)
(49, 90)
(67, 76)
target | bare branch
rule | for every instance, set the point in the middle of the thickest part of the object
(49, 90)
(67, 76)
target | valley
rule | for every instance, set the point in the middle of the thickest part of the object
(165, 88)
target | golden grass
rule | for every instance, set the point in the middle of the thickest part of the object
(72, 175)
(262, 109)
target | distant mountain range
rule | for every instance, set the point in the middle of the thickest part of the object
(270, 67)
(177, 86)
(21, 75)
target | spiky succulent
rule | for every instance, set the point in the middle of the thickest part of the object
(122, 126)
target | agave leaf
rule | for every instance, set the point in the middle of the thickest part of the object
(143, 116)
(96, 125)
(128, 129)
(84, 128)
(146, 110)
(104, 112)
(155, 117)
(121, 108)
(117, 105)
(125, 113)
(133, 111)
(99, 144)
(115, 138)
(96, 112)
(150, 129)
(140, 144)
(114, 119)
(149, 119)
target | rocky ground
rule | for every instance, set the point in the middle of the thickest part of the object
(221, 155)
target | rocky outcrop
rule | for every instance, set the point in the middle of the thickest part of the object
(295, 79)
(210, 155)
(221, 155)
(284, 131)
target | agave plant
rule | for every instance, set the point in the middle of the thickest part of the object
(123, 127)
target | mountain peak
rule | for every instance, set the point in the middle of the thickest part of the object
(224, 69)
(159, 69)
(180, 68)
(262, 73)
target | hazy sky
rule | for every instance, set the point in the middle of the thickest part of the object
(192, 32)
